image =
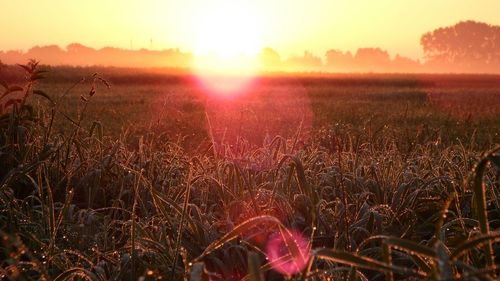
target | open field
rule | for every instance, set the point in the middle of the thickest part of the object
(352, 177)
(449, 108)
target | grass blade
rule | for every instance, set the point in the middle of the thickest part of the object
(362, 262)
(254, 273)
(240, 229)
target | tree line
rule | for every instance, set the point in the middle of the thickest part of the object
(468, 47)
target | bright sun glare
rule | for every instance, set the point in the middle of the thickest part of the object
(227, 43)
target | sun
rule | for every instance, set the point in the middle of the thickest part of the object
(226, 46)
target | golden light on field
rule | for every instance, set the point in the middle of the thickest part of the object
(226, 44)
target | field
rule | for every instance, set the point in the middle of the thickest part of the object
(133, 174)
(451, 107)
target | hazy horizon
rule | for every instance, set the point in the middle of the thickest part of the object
(289, 28)
(471, 48)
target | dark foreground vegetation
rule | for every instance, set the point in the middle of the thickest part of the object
(369, 178)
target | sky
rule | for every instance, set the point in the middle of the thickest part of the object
(288, 26)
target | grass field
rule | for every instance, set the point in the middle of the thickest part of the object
(306, 177)
(451, 107)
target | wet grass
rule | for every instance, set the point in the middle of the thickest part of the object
(148, 180)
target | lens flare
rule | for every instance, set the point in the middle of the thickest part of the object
(288, 251)
(222, 84)
(260, 114)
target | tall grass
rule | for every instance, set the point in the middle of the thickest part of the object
(82, 205)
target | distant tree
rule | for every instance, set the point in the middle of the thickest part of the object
(468, 44)
(307, 62)
(51, 54)
(404, 64)
(340, 61)
(78, 54)
(270, 59)
(372, 56)
(77, 48)
(12, 56)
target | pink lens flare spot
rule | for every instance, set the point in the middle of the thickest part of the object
(288, 252)
(258, 115)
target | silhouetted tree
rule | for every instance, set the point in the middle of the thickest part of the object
(52, 54)
(470, 45)
(404, 64)
(12, 57)
(78, 54)
(77, 48)
(339, 61)
(270, 59)
(372, 59)
(307, 62)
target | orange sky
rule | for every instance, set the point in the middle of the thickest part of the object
(212, 25)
